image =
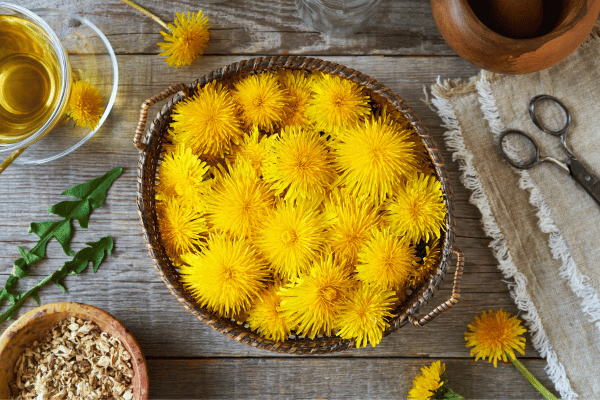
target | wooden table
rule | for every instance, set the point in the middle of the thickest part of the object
(403, 50)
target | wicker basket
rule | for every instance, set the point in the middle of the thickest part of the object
(150, 146)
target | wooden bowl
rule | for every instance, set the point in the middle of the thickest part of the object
(34, 325)
(491, 35)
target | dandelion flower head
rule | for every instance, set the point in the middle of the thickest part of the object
(314, 302)
(428, 382)
(418, 211)
(239, 200)
(336, 102)
(495, 334)
(427, 266)
(254, 149)
(182, 173)
(207, 122)
(373, 157)
(385, 260)
(182, 227)
(363, 316)
(265, 317)
(186, 40)
(298, 86)
(262, 100)
(292, 236)
(85, 104)
(225, 277)
(299, 163)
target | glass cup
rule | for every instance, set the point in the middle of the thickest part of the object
(338, 17)
(35, 78)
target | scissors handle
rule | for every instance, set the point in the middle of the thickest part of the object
(585, 178)
(532, 113)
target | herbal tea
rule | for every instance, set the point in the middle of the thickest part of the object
(29, 78)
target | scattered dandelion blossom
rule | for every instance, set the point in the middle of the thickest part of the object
(239, 201)
(373, 157)
(299, 164)
(363, 316)
(207, 122)
(226, 276)
(427, 384)
(292, 236)
(495, 334)
(313, 303)
(265, 318)
(385, 260)
(262, 101)
(186, 40)
(182, 227)
(181, 172)
(85, 104)
(418, 211)
(336, 102)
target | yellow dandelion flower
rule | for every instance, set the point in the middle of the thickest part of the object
(182, 173)
(428, 383)
(292, 236)
(239, 201)
(207, 122)
(85, 104)
(299, 91)
(299, 163)
(314, 302)
(418, 211)
(423, 160)
(226, 277)
(428, 265)
(385, 260)
(336, 102)
(254, 149)
(186, 40)
(363, 316)
(352, 220)
(262, 101)
(373, 157)
(182, 228)
(265, 318)
(495, 334)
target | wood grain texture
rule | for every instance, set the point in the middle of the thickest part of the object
(404, 51)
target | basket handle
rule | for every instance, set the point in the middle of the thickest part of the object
(460, 263)
(141, 126)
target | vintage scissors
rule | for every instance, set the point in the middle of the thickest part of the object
(572, 165)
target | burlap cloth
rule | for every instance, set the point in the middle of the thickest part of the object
(545, 227)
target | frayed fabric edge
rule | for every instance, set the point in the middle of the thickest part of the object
(518, 288)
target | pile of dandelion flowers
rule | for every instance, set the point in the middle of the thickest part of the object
(373, 157)
(239, 200)
(182, 173)
(352, 221)
(336, 102)
(207, 122)
(386, 261)
(85, 104)
(265, 318)
(363, 316)
(429, 382)
(226, 276)
(262, 101)
(182, 227)
(494, 335)
(299, 163)
(299, 91)
(314, 302)
(292, 236)
(418, 211)
(186, 40)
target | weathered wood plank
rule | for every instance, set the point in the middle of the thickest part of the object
(263, 27)
(317, 378)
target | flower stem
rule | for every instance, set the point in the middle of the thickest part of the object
(148, 13)
(534, 382)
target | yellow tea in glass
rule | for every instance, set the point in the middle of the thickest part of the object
(34, 77)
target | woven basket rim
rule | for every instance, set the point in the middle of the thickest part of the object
(148, 164)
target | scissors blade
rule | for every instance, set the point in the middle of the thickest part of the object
(585, 178)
